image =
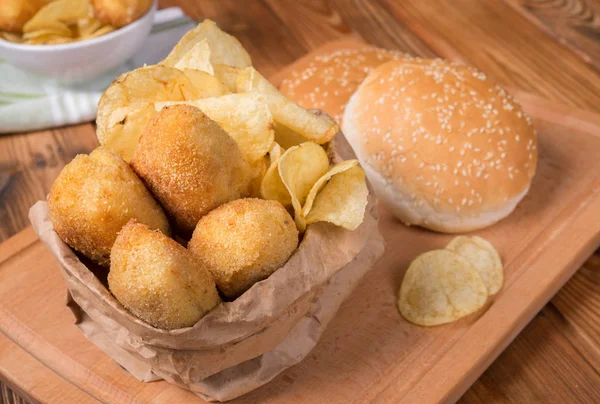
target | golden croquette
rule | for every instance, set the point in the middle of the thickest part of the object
(94, 197)
(158, 280)
(243, 242)
(190, 164)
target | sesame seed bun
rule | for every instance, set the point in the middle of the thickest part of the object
(328, 80)
(443, 146)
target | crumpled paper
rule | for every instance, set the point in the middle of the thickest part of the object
(240, 345)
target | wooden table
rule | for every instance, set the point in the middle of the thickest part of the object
(549, 48)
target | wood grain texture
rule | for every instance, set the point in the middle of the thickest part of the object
(497, 39)
(574, 23)
(500, 39)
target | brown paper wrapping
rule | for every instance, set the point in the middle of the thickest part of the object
(240, 345)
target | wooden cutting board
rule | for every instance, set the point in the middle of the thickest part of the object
(368, 353)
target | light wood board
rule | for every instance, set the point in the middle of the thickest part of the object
(368, 352)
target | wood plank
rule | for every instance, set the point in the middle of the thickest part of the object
(574, 23)
(533, 366)
(315, 22)
(33, 381)
(31, 162)
(522, 56)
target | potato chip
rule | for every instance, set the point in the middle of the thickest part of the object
(343, 200)
(56, 31)
(224, 48)
(87, 26)
(245, 117)
(336, 169)
(272, 187)
(135, 90)
(287, 137)
(9, 36)
(440, 287)
(259, 169)
(317, 128)
(105, 29)
(484, 258)
(197, 58)
(127, 125)
(205, 84)
(227, 75)
(299, 168)
(62, 11)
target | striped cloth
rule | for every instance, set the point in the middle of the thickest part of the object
(29, 102)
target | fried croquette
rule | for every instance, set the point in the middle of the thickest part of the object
(190, 164)
(15, 13)
(243, 242)
(94, 197)
(119, 13)
(158, 280)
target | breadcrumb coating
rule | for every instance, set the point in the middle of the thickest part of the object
(158, 280)
(94, 197)
(243, 242)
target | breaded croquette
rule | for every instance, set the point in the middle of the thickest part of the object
(190, 164)
(243, 242)
(94, 197)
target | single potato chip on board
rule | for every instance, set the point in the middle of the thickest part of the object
(343, 200)
(140, 87)
(299, 168)
(316, 128)
(197, 58)
(224, 48)
(245, 117)
(484, 258)
(440, 287)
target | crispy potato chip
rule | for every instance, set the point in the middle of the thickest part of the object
(271, 186)
(287, 137)
(205, 84)
(336, 169)
(135, 90)
(224, 48)
(127, 125)
(227, 75)
(197, 58)
(343, 200)
(87, 26)
(259, 169)
(299, 168)
(275, 152)
(484, 258)
(105, 29)
(9, 36)
(63, 11)
(440, 287)
(316, 128)
(56, 31)
(245, 117)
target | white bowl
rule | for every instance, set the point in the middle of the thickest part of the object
(81, 60)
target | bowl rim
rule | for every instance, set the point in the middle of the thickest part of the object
(85, 42)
